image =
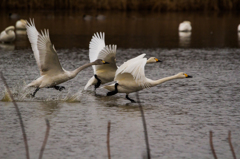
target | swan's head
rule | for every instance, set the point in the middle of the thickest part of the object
(183, 75)
(24, 22)
(187, 22)
(153, 60)
(10, 28)
(100, 62)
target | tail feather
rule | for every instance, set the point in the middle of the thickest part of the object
(92, 81)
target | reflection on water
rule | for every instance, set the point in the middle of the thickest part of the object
(49, 106)
(6, 46)
(131, 29)
(239, 39)
(21, 32)
(184, 39)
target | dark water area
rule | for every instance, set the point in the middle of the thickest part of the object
(133, 29)
(179, 113)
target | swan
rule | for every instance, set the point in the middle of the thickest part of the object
(185, 26)
(51, 72)
(21, 24)
(87, 17)
(8, 35)
(103, 73)
(130, 77)
(100, 17)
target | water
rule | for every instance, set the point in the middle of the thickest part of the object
(179, 113)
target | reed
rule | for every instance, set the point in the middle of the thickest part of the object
(157, 5)
(45, 140)
(211, 145)
(108, 139)
(18, 114)
(144, 127)
(231, 146)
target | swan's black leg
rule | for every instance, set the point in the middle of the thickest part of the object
(113, 92)
(37, 89)
(133, 101)
(60, 88)
(98, 82)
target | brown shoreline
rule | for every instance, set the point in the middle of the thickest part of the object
(155, 5)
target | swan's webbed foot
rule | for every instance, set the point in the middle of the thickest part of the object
(133, 101)
(60, 88)
(33, 94)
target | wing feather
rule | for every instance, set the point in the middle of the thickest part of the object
(134, 67)
(127, 63)
(96, 44)
(47, 54)
(108, 54)
(33, 38)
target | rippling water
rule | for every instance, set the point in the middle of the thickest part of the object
(179, 113)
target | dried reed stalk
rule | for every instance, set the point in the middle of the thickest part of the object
(45, 139)
(231, 146)
(145, 127)
(211, 145)
(19, 116)
(108, 140)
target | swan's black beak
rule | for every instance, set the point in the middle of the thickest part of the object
(157, 60)
(189, 76)
(104, 62)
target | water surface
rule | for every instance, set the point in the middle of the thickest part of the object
(179, 113)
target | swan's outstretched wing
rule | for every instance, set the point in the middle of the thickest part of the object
(96, 44)
(107, 54)
(48, 58)
(132, 70)
(33, 38)
(128, 63)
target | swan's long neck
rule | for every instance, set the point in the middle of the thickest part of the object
(76, 71)
(162, 80)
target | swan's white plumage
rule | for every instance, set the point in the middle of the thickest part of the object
(108, 54)
(96, 44)
(8, 35)
(47, 54)
(98, 50)
(128, 63)
(90, 82)
(51, 72)
(185, 26)
(33, 38)
(21, 24)
(133, 70)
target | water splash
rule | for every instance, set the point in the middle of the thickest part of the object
(18, 91)
(21, 93)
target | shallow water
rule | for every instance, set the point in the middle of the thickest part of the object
(179, 113)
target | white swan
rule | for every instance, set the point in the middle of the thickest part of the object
(21, 24)
(8, 35)
(87, 17)
(130, 77)
(51, 71)
(103, 73)
(185, 26)
(238, 28)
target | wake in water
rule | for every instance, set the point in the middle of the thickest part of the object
(21, 94)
